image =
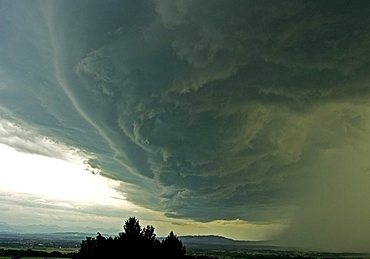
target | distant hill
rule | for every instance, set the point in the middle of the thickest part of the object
(223, 243)
(7, 228)
(207, 239)
(217, 240)
(42, 229)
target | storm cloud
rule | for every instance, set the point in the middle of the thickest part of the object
(205, 110)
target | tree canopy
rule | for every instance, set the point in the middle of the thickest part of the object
(133, 242)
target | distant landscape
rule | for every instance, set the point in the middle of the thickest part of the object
(67, 244)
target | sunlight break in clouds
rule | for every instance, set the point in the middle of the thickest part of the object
(66, 176)
(53, 178)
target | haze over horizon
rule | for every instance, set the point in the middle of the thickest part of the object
(247, 119)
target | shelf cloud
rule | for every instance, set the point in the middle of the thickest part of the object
(205, 110)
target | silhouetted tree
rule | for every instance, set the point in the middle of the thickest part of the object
(132, 229)
(129, 241)
(149, 242)
(133, 242)
(148, 233)
(172, 247)
(87, 247)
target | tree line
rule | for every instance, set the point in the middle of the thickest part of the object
(133, 242)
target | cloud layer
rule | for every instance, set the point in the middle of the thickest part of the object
(205, 110)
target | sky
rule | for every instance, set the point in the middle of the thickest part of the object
(247, 119)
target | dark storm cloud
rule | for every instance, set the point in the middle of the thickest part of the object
(205, 106)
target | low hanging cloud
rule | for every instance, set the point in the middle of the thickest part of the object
(205, 110)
